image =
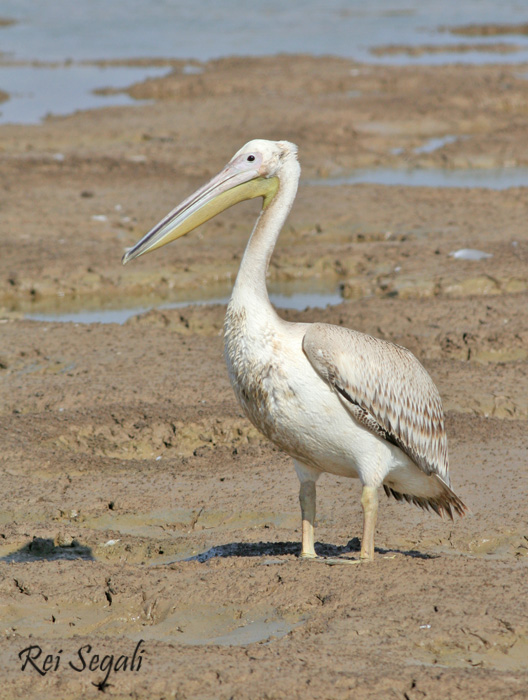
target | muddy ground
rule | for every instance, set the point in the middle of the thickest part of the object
(139, 504)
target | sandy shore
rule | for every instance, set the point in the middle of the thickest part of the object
(122, 446)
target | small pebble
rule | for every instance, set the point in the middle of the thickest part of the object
(470, 254)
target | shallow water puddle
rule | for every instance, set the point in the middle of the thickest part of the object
(223, 625)
(436, 143)
(298, 301)
(35, 92)
(168, 523)
(219, 624)
(62, 620)
(489, 178)
(504, 652)
(431, 145)
(510, 545)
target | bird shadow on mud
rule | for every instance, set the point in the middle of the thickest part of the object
(276, 549)
(40, 548)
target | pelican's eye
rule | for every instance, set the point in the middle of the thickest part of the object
(251, 158)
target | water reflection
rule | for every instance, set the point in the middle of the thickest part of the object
(298, 301)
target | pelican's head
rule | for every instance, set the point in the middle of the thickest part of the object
(254, 171)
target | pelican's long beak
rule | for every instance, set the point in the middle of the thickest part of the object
(229, 187)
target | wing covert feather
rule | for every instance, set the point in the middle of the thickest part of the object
(385, 388)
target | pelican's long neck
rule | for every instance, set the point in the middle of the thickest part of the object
(251, 279)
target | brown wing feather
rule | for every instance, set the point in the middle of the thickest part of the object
(386, 389)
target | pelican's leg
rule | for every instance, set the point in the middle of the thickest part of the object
(307, 501)
(369, 503)
(307, 477)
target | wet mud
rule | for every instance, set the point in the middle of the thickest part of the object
(138, 502)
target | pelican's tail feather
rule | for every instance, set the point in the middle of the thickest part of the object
(446, 502)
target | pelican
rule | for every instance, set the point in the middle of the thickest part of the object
(336, 400)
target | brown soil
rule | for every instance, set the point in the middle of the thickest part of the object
(122, 446)
(489, 29)
(421, 49)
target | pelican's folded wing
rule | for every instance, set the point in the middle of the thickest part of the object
(385, 388)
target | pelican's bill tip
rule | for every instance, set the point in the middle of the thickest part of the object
(126, 256)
